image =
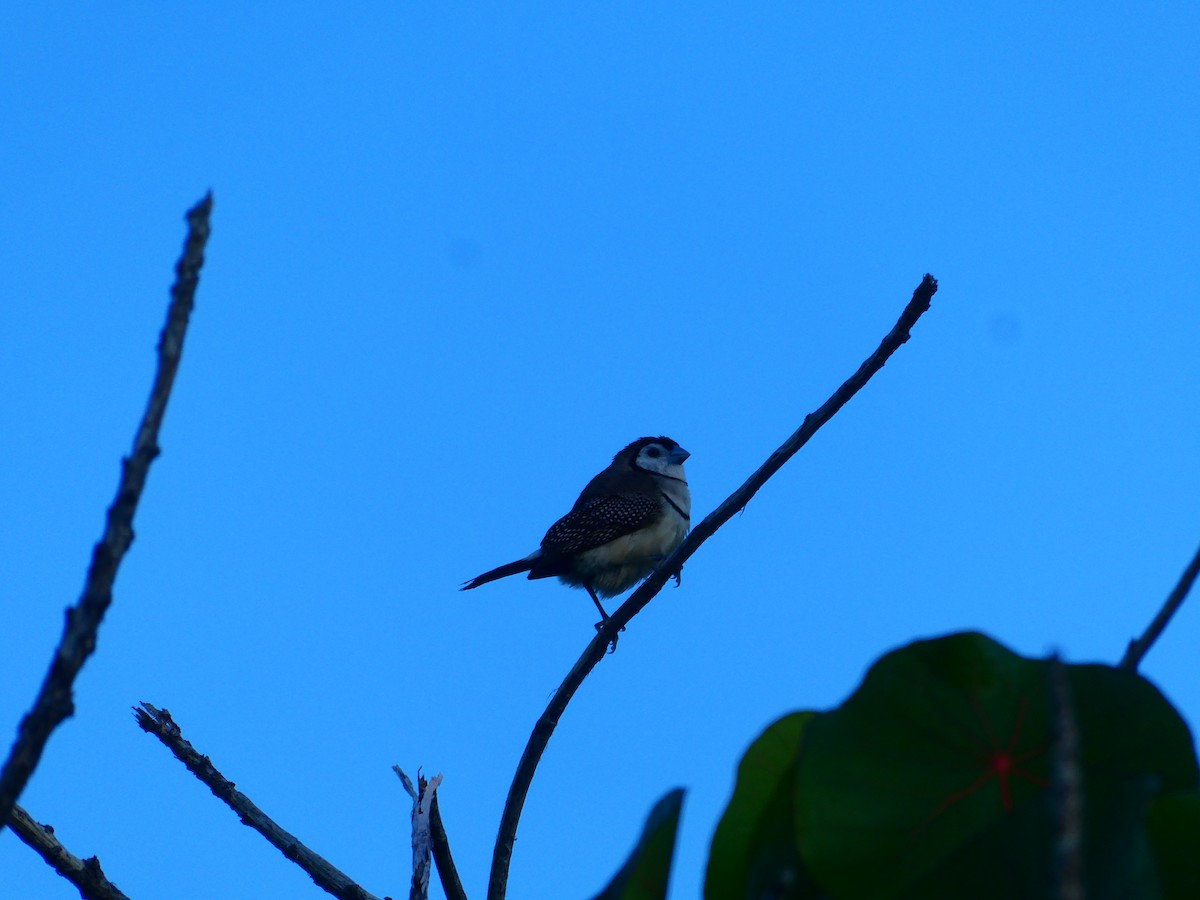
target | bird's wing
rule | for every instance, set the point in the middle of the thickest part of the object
(598, 520)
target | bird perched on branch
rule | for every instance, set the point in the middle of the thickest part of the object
(628, 518)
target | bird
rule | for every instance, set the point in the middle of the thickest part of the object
(628, 518)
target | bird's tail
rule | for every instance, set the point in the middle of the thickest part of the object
(512, 568)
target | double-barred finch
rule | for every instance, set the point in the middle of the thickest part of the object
(628, 518)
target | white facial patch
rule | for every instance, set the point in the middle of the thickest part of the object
(655, 458)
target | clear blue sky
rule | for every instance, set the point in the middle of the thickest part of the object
(461, 256)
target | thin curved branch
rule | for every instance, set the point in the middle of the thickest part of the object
(447, 871)
(1139, 648)
(595, 650)
(85, 874)
(159, 723)
(55, 701)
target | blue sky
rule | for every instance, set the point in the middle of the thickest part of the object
(461, 256)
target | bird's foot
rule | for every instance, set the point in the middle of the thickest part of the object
(612, 645)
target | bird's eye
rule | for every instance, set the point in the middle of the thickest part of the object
(653, 452)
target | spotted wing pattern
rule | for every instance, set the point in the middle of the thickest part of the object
(600, 520)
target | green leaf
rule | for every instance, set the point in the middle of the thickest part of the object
(754, 851)
(645, 874)
(1173, 821)
(932, 780)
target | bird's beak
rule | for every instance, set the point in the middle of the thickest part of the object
(678, 456)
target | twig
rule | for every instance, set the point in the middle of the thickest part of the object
(607, 633)
(85, 874)
(1140, 647)
(159, 723)
(55, 701)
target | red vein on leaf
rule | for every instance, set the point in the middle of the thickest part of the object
(1002, 763)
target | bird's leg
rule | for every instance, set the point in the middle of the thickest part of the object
(596, 600)
(604, 617)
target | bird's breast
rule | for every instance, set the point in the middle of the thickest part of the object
(621, 563)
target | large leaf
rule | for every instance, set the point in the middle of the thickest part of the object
(754, 851)
(932, 780)
(1174, 824)
(647, 871)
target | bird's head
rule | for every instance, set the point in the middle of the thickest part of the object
(657, 455)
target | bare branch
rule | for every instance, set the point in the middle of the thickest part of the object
(607, 633)
(159, 723)
(55, 701)
(85, 874)
(424, 796)
(447, 871)
(1139, 648)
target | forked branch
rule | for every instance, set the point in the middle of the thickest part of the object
(85, 874)
(55, 702)
(429, 835)
(595, 650)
